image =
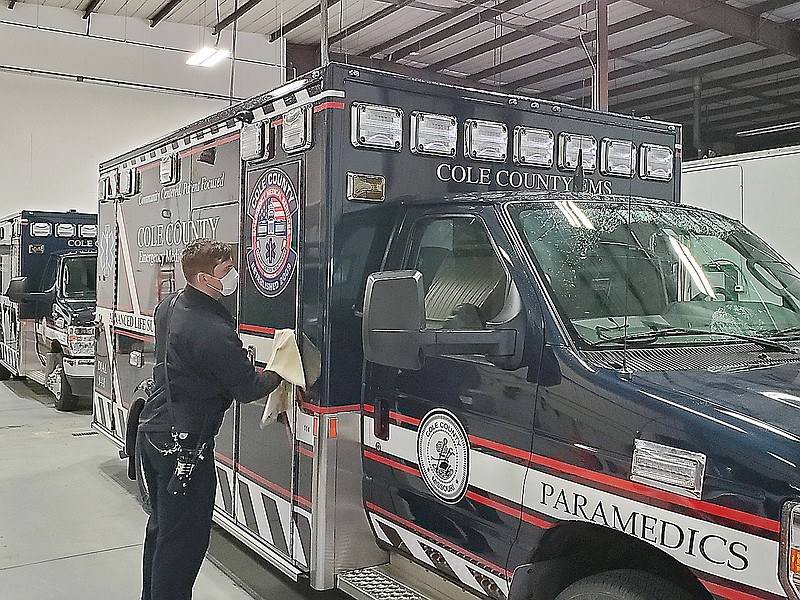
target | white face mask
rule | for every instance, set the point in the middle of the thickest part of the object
(229, 282)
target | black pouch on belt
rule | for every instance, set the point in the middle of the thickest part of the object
(189, 453)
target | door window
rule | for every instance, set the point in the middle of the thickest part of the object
(464, 281)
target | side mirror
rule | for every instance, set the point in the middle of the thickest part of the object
(17, 289)
(395, 334)
(394, 319)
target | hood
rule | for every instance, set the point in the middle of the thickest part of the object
(76, 312)
(759, 400)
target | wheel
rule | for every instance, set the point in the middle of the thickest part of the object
(5, 374)
(58, 384)
(141, 482)
(624, 585)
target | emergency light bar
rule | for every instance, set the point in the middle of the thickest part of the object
(252, 142)
(41, 229)
(128, 182)
(433, 134)
(485, 140)
(169, 170)
(568, 146)
(374, 126)
(655, 162)
(617, 157)
(87, 231)
(296, 130)
(533, 147)
(104, 190)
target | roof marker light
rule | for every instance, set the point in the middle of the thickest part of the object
(533, 147)
(655, 162)
(433, 134)
(374, 126)
(617, 157)
(485, 140)
(568, 146)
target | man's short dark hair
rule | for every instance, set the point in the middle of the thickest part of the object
(202, 255)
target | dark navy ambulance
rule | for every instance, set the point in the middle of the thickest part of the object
(540, 375)
(47, 285)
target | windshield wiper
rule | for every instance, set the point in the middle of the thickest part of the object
(654, 334)
(782, 332)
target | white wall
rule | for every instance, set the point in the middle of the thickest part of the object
(72, 99)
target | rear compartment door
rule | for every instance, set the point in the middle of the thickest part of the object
(445, 447)
(105, 391)
(268, 503)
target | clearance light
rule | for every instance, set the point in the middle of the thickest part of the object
(251, 142)
(373, 126)
(655, 162)
(485, 140)
(568, 146)
(668, 468)
(370, 188)
(789, 560)
(296, 130)
(207, 57)
(533, 147)
(433, 134)
(617, 157)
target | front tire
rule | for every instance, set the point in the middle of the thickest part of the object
(624, 584)
(65, 399)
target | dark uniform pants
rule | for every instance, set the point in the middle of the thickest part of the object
(179, 527)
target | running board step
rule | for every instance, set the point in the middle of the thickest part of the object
(372, 584)
(38, 376)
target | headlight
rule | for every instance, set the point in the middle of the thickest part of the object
(790, 550)
(80, 341)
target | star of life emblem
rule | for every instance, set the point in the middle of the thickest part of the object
(105, 251)
(443, 455)
(271, 261)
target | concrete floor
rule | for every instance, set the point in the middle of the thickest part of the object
(70, 524)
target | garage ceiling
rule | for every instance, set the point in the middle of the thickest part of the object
(744, 53)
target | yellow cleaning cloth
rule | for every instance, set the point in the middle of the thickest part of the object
(286, 362)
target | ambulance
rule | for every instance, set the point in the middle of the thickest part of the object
(536, 375)
(47, 283)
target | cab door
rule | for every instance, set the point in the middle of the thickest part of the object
(446, 447)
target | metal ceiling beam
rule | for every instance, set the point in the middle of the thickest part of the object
(738, 24)
(559, 47)
(719, 82)
(163, 12)
(508, 38)
(623, 72)
(381, 14)
(743, 120)
(90, 7)
(401, 38)
(456, 28)
(298, 21)
(768, 6)
(223, 23)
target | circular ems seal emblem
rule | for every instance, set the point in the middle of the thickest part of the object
(443, 455)
(271, 261)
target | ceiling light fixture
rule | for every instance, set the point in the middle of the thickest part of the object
(771, 129)
(207, 57)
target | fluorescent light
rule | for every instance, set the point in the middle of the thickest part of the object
(771, 129)
(207, 57)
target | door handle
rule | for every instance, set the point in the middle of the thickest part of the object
(380, 419)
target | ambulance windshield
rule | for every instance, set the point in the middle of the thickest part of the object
(78, 278)
(630, 269)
